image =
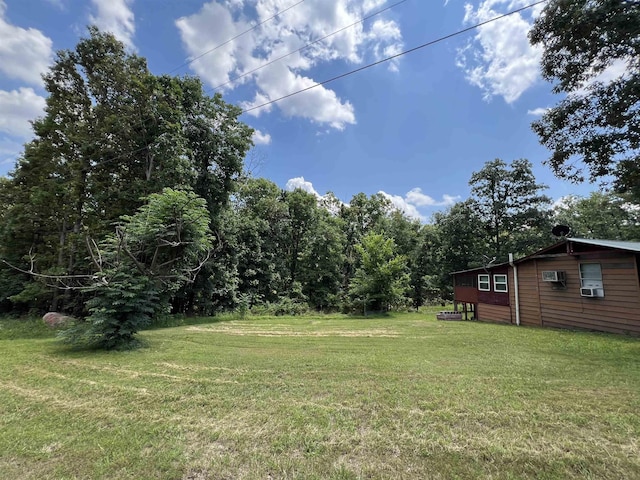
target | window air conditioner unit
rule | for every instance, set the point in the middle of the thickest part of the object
(589, 292)
(553, 276)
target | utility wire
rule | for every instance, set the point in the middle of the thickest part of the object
(280, 12)
(138, 150)
(459, 32)
(123, 155)
(432, 42)
(362, 20)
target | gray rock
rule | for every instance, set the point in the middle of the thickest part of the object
(57, 320)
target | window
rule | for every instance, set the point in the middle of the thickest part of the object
(591, 278)
(483, 283)
(500, 283)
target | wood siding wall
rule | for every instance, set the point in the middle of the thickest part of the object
(529, 294)
(494, 298)
(543, 303)
(493, 313)
(466, 294)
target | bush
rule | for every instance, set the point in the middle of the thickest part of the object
(284, 306)
(118, 311)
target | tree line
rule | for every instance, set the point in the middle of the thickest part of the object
(132, 199)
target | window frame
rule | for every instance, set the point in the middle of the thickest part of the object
(487, 282)
(505, 283)
(591, 282)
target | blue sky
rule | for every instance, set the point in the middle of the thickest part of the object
(414, 128)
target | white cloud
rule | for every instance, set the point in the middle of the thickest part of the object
(537, 112)
(24, 53)
(499, 58)
(387, 41)
(319, 104)
(618, 68)
(314, 19)
(17, 107)
(328, 201)
(408, 204)
(371, 4)
(403, 205)
(416, 197)
(116, 17)
(302, 184)
(260, 138)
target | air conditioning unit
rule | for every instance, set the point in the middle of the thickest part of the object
(553, 276)
(591, 292)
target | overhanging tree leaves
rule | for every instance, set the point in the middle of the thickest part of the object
(598, 123)
(600, 215)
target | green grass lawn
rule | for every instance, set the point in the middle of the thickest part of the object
(323, 397)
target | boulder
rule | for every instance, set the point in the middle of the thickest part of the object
(57, 320)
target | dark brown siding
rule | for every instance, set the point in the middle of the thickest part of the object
(493, 298)
(494, 313)
(466, 294)
(618, 311)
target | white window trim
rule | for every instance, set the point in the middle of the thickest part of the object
(505, 283)
(488, 282)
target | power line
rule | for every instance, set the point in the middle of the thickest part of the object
(438, 40)
(140, 149)
(308, 45)
(143, 124)
(432, 42)
(189, 62)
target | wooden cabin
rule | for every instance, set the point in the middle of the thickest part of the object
(577, 283)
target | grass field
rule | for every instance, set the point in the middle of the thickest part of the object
(323, 397)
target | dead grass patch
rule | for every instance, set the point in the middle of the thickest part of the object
(240, 331)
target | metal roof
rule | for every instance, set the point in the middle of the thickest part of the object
(620, 245)
(488, 267)
(617, 244)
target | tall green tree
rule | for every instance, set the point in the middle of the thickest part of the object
(459, 243)
(261, 230)
(381, 281)
(322, 261)
(413, 241)
(215, 143)
(600, 215)
(423, 278)
(511, 206)
(112, 134)
(363, 215)
(302, 213)
(596, 126)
